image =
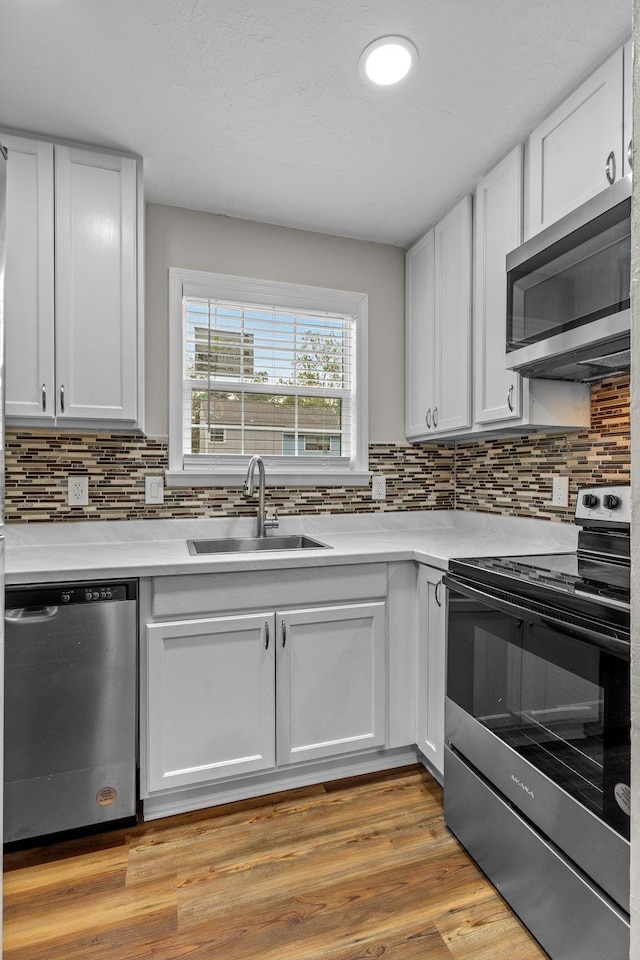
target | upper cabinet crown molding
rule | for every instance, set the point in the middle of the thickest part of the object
(74, 301)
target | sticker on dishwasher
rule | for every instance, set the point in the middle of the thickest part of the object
(622, 793)
(106, 796)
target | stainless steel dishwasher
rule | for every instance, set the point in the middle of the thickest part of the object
(70, 757)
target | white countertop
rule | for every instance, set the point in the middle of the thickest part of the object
(103, 549)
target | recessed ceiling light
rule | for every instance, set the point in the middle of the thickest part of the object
(387, 60)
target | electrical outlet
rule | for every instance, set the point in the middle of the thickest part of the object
(378, 488)
(78, 491)
(560, 492)
(154, 489)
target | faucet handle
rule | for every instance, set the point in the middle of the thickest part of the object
(272, 522)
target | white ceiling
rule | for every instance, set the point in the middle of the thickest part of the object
(255, 109)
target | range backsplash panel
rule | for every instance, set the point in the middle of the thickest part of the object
(511, 475)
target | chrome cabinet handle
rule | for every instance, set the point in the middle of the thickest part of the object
(437, 593)
(630, 153)
(428, 418)
(44, 398)
(266, 627)
(284, 633)
(435, 416)
(62, 399)
(510, 398)
(610, 168)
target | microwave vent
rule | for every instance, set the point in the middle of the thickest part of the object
(613, 361)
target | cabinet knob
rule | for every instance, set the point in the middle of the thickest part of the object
(610, 168)
(510, 398)
(435, 417)
(44, 398)
(630, 153)
(266, 630)
(284, 633)
(428, 418)
(437, 592)
(62, 399)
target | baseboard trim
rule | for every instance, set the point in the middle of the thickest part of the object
(275, 781)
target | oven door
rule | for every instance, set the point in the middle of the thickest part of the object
(540, 708)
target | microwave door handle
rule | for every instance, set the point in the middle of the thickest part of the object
(522, 612)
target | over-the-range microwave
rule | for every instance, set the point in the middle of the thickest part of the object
(568, 293)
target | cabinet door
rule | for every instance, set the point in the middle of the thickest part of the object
(431, 666)
(627, 96)
(419, 336)
(331, 681)
(29, 383)
(211, 701)
(568, 152)
(96, 280)
(452, 346)
(498, 230)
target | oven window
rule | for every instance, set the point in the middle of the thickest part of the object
(561, 703)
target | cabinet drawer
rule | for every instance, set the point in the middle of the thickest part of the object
(194, 594)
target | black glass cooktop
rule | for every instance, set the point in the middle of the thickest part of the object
(556, 579)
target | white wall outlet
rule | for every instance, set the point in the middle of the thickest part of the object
(378, 488)
(560, 492)
(78, 491)
(154, 489)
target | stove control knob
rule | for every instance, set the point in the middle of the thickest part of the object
(611, 502)
(590, 500)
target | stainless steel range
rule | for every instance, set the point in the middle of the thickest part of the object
(537, 725)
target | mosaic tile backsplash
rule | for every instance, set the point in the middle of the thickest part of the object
(510, 475)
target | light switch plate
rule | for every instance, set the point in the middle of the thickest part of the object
(154, 489)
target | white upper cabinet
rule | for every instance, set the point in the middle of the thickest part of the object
(438, 331)
(29, 380)
(72, 286)
(627, 96)
(498, 230)
(96, 285)
(420, 335)
(452, 400)
(579, 149)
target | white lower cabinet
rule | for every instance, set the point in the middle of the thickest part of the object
(210, 699)
(221, 692)
(431, 666)
(331, 681)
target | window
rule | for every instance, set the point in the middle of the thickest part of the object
(266, 368)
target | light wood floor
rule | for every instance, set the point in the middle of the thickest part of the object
(350, 870)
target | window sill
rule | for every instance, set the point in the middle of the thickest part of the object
(274, 478)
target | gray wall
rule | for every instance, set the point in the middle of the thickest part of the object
(203, 241)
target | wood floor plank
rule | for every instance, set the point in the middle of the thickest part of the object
(344, 871)
(488, 931)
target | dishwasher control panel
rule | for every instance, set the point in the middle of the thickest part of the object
(66, 594)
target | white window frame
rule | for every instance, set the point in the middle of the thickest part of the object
(317, 471)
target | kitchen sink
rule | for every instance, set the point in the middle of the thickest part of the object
(253, 544)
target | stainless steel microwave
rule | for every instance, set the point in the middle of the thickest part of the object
(568, 293)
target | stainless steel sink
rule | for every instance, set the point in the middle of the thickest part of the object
(253, 544)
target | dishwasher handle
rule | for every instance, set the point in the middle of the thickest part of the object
(19, 615)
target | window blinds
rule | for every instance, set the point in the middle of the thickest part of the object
(265, 380)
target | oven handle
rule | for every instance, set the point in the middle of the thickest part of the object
(612, 644)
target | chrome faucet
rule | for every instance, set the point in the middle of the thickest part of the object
(264, 522)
